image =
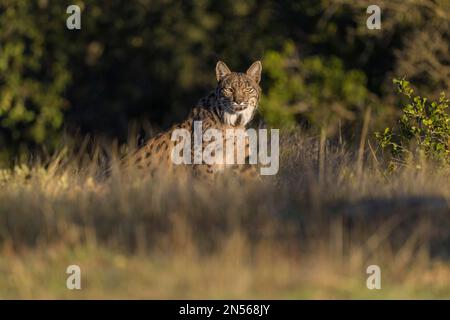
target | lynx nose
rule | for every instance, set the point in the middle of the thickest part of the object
(239, 99)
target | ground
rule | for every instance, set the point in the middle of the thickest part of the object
(309, 232)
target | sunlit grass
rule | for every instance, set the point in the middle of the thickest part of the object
(300, 234)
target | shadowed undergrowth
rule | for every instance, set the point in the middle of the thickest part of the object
(308, 232)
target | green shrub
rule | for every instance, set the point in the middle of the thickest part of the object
(317, 89)
(33, 78)
(424, 127)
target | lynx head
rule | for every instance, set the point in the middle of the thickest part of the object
(238, 93)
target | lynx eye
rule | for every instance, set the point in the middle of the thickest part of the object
(248, 90)
(227, 91)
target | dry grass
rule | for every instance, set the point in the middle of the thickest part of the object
(309, 232)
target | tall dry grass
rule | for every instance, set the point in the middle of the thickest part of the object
(308, 232)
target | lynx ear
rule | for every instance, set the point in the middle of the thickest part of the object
(221, 70)
(254, 71)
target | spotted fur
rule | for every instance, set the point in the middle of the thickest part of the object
(232, 104)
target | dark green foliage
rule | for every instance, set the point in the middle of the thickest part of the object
(423, 122)
(33, 75)
(316, 87)
(150, 60)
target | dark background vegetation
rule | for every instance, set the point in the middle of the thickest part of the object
(334, 208)
(150, 60)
